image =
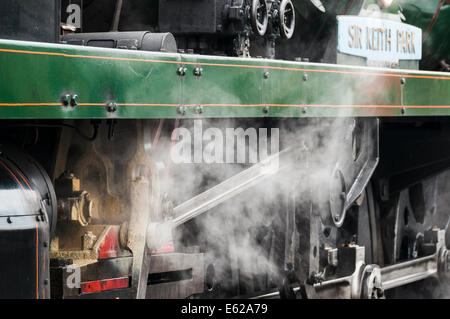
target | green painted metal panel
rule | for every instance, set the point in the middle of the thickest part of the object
(35, 76)
(433, 17)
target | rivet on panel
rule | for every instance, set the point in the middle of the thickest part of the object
(181, 110)
(65, 99)
(111, 107)
(74, 100)
(198, 71)
(181, 71)
(199, 109)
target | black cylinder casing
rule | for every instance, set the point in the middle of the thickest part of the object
(27, 214)
(139, 40)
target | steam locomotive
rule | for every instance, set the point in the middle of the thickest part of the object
(97, 96)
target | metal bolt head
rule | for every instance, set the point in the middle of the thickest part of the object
(181, 110)
(65, 99)
(74, 100)
(198, 71)
(111, 107)
(266, 74)
(305, 77)
(199, 109)
(403, 110)
(181, 71)
(266, 109)
(402, 81)
(304, 110)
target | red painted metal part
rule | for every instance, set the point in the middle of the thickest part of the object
(110, 245)
(104, 285)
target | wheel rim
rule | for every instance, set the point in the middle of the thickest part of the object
(287, 19)
(259, 17)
